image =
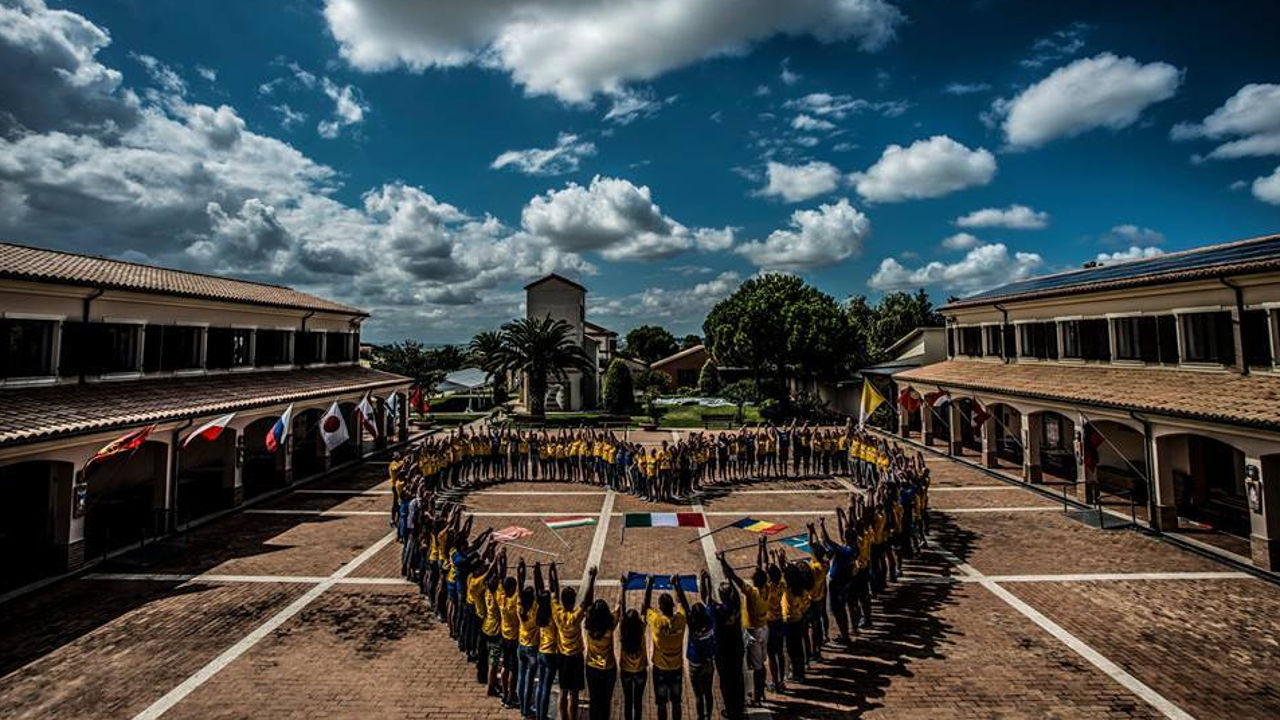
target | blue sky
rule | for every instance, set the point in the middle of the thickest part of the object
(425, 160)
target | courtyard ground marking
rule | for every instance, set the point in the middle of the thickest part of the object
(213, 667)
(340, 491)
(309, 511)
(1165, 706)
(601, 534)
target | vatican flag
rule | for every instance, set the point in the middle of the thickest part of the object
(870, 401)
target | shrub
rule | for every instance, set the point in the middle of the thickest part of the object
(619, 391)
(709, 379)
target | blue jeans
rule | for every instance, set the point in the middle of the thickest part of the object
(527, 658)
(548, 666)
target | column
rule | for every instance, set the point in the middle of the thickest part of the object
(288, 458)
(989, 447)
(403, 420)
(956, 427)
(1086, 478)
(1262, 487)
(904, 421)
(237, 471)
(380, 410)
(926, 422)
(68, 530)
(1164, 505)
(1031, 431)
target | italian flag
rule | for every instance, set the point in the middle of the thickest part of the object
(664, 520)
(560, 523)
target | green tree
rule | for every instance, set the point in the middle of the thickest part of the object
(689, 341)
(890, 320)
(780, 326)
(619, 391)
(652, 380)
(485, 350)
(709, 379)
(740, 393)
(411, 359)
(650, 343)
(541, 349)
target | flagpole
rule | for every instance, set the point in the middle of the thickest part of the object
(772, 540)
(553, 532)
(531, 549)
(713, 532)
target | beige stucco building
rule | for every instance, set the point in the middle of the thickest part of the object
(1157, 380)
(91, 349)
(560, 298)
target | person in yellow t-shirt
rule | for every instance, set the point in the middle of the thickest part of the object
(508, 598)
(602, 669)
(793, 592)
(567, 616)
(548, 664)
(527, 642)
(666, 627)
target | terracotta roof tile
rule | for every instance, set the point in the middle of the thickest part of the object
(41, 413)
(21, 262)
(1225, 397)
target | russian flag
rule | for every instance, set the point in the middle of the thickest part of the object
(210, 430)
(275, 438)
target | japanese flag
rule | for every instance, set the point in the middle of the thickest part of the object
(333, 428)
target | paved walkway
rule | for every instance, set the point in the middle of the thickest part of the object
(295, 610)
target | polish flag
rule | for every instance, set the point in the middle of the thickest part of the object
(210, 430)
(280, 431)
(333, 428)
(367, 416)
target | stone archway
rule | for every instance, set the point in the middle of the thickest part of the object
(125, 498)
(1206, 477)
(206, 476)
(33, 519)
(1006, 434)
(1054, 444)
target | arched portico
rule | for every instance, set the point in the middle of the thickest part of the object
(1205, 477)
(124, 494)
(33, 519)
(206, 476)
(263, 470)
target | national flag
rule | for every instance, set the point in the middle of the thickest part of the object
(570, 521)
(871, 399)
(279, 431)
(640, 581)
(333, 428)
(1092, 441)
(128, 443)
(367, 416)
(643, 520)
(210, 430)
(799, 542)
(764, 527)
(938, 399)
(908, 400)
(417, 401)
(515, 532)
(393, 405)
(977, 414)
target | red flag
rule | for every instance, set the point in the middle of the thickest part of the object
(417, 401)
(1092, 441)
(128, 443)
(908, 400)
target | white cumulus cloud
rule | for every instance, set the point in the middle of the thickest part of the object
(960, 241)
(794, 183)
(1014, 217)
(982, 267)
(816, 239)
(925, 169)
(1267, 187)
(1249, 121)
(1128, 255)
(575, 50)
(1103, 91)
(563, 158)
(1133, 235)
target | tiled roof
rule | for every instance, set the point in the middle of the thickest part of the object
(1225, 397)
(20, 262)
(1260, 254)
(41, 413)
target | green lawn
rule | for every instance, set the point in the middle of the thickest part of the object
(691, 416)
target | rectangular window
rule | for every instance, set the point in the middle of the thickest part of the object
(1137, 339)
(1086, 339)
(1039, 340)
(970, 341)
(995, 337)
(172, 347)
(1208, 337)
(1255, 333)
(338, 347)
(118, 343)
(951, 342)
(310, 348)
(274, 348)
(26, 348)
(228, 348)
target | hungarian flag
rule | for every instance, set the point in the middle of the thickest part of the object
(1092, 441)
(128, 443)
(210, 430)
(367, 416)
(515, 532)
(908, 400)
(570, 521)
(764, 527)
(279, 431)
(333, 429)
(643, 520)
(640, 581)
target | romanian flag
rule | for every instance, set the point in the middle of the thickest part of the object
(799, 542)
(279, 431)
(128, 443)
(640, 581)
(643, 520)
(210, 430)
(764, 527)
(560, 523)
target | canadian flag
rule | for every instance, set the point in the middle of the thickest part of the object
(367, 416)
(333, 428)
(210, 430)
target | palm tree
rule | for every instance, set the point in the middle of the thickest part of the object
(485, 349)
(540, 348)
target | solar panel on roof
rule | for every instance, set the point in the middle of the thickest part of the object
(1261, 249)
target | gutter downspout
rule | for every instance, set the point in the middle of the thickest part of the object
(1242, 367)
(84, 319)
(304, 332)
(1005, 353)
(1149, 458)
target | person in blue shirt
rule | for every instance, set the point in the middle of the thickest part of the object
(839, 579)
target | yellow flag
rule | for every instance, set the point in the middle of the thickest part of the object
(870, 401)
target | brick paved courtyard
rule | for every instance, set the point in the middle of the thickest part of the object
(294, 608)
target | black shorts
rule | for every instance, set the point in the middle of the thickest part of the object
(509, 653)
(572, 673)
